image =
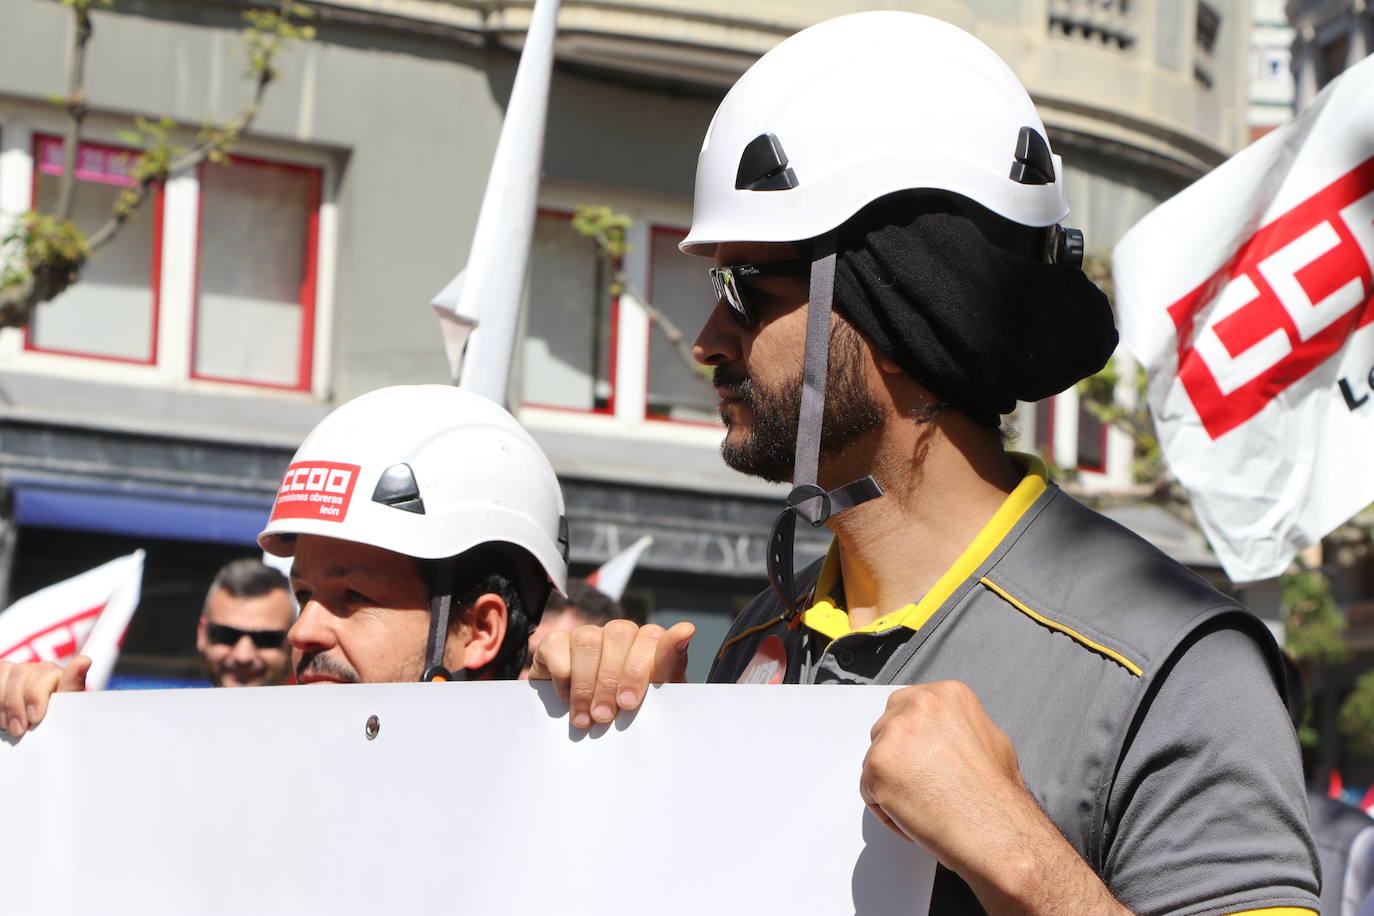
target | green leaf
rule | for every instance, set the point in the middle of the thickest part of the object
(1314, 628)
(1356, 717)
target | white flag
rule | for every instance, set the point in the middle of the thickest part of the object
(611, 577)
(83, 615)
(454, 325)
(1249, 298)
(479, 309)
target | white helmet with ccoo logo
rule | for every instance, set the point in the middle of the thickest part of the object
(428, 471)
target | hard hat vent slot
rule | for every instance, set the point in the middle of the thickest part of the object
(397, 488)
(1033, 164)
(763, 166)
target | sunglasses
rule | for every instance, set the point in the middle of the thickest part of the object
(222, 635)
(728, 283)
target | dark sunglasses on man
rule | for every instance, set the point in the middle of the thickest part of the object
(223, 635)
(730, 283)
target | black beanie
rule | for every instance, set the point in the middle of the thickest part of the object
(979, 327)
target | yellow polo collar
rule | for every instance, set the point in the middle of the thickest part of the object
(826, 617)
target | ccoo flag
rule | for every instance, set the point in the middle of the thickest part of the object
(86, 615)
(1249, 298)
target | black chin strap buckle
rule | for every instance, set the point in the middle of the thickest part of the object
(811, 503)
(816, 507)
(436, 673)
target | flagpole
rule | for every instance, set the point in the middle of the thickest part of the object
(494, 278)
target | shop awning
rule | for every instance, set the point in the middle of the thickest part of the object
(139, 511)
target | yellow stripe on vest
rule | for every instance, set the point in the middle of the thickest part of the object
(1076, 636)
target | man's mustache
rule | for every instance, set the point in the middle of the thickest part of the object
(317, 662)
(737, 382)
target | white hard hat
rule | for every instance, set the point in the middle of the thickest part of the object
(428, 471)
(859, 107)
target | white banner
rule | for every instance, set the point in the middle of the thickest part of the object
(1249, 298)
(471, 798)
(86, 614)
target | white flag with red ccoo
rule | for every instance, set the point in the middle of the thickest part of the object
(1249, 298)
(83, 615)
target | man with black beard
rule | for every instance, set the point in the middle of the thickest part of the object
(1088, 727)
(767, 449)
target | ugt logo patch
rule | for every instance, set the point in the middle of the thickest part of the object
(1285, 303)
(316, 490)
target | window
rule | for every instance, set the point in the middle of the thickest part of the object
(570, 316)
(1207, 25)
(111, 312)
(239, 241)
(679, 289)
(255, 309)
(1091, 439)
(1332, 58)
(1044, 428)
(1092, 442)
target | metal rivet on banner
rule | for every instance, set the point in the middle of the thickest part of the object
(373, 726)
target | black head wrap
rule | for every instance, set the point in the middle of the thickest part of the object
(978, 326)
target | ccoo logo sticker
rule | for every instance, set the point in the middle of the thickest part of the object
(315, 490)
(769, 664)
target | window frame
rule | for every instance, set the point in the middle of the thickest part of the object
(37, 143)
(309, 276)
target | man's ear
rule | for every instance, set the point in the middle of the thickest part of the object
(485, 621)
(202, 640)
(885, 364)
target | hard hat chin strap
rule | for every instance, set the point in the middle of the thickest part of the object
(440, 612)
(807, 498)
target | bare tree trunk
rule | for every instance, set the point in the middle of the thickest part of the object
(76, 110)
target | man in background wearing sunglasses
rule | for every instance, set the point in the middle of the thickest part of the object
(242, 631)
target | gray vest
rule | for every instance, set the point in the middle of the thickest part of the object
(1062, 633)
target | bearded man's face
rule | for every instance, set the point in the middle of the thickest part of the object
(761, 420)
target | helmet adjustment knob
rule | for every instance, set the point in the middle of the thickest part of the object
(1068, 247)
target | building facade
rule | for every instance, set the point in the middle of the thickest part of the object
(1329, 36)
(157, 401)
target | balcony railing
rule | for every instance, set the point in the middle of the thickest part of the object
(1104, 22)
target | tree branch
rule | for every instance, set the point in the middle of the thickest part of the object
(212, 142)
(76, 108)
(220, 140)
(46, 253)
(674, 335)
